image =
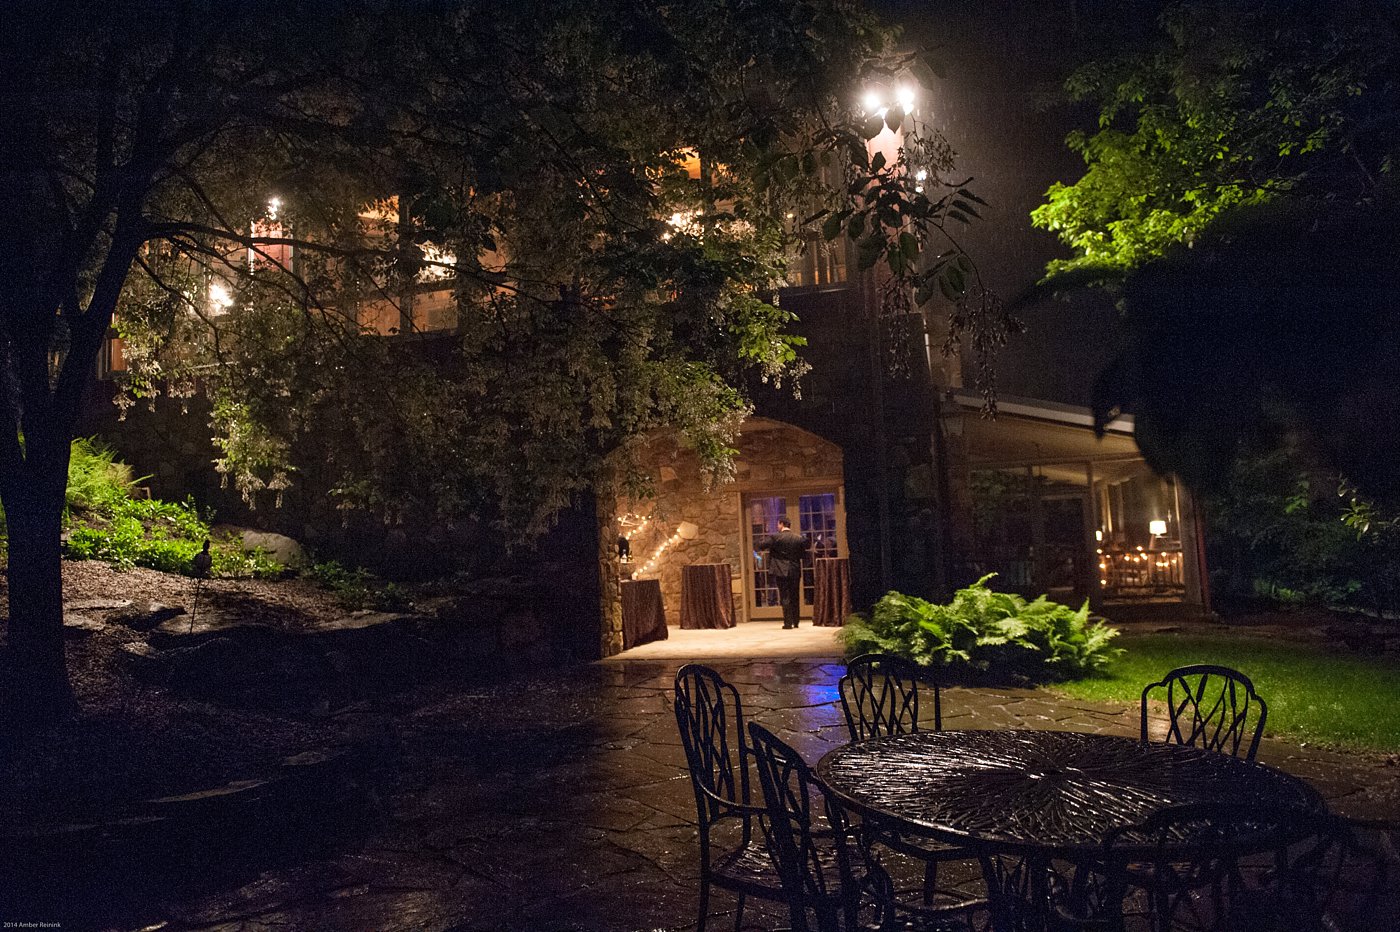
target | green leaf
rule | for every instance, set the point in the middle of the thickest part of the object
(872, 126)
(957, 278)
(894, 117)
(909, 245)
(877, 162)
(831, 227)
(894, 258)
(868, 252)
(966, 208)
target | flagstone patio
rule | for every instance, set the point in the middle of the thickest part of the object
(563, 804)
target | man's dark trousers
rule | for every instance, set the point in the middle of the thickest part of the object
(788, 586)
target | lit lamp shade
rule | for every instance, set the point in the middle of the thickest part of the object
(1158, 528)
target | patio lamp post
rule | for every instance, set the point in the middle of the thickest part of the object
(876, 101)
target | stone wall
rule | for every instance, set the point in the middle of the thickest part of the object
(556, 577)
(772, 457)
(881, 409)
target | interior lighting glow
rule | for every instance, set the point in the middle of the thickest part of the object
(219, 296)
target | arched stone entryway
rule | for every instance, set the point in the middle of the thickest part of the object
(780, 469)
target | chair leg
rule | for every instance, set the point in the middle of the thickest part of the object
(739, 914)
(704, 903)
(930, 881)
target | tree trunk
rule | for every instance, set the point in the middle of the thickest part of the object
(38, 693)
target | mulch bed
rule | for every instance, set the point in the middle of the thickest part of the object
(135, 740)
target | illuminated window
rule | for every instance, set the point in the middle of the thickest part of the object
(820, 263)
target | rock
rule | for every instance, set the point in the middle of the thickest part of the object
(96, 605)
(143, 659)
(279, 547)
(143, 616)
(214, 660)
(81, 625)
(202, 801)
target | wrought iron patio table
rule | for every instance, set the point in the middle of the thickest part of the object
(1038, 795)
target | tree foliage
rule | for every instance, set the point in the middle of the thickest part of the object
(1282, 531)
(121, 120)
(1276, 331)
(231, 186)
(1240, 198)
(612, 192)
(1229, 105)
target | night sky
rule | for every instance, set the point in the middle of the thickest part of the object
(999, 104)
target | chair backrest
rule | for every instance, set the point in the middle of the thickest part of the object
(880, 697)
(1211, 707)
(787, 795)
(1337, 880)
(710, 717)
(1222, 867)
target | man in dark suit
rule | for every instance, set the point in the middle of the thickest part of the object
(785, 552)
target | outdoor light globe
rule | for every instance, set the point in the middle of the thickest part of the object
(219, 296)
(1157, 527)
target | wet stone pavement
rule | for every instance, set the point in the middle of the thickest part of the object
(563, 804)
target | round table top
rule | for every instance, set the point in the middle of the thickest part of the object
(1047, 791)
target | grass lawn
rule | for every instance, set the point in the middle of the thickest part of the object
(1314, 694)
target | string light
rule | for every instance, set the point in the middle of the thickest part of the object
(650, 564)
(1142, 569)
(633, 524)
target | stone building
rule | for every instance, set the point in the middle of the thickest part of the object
(884, 457)
(894, 466)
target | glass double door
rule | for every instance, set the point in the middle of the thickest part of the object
(817, 515)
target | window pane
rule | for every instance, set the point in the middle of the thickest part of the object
(816, 515)
(763, 522)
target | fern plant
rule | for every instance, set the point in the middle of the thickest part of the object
(986, 632)
(104, 520)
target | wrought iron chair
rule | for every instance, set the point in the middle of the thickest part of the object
(1324, 880)
(880, 696)
(825, 880)
(1211, 707)
(808, 862)
(710, 717)
(1225, 868)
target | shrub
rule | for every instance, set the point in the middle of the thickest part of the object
(106, 522)
(985, 632)
(97, 480)
(357, 588)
